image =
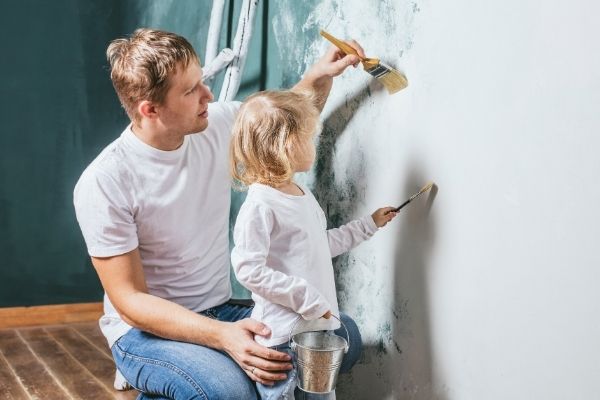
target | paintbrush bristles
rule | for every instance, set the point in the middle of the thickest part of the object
(426, 187)
(423, 190)
(414, 196)
(393, 80)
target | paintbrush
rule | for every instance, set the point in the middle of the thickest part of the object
(414, 196)
(393, 80)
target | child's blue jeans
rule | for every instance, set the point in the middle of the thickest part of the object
(286, 390)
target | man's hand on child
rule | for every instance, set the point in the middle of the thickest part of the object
(383, 215)
(260, 363)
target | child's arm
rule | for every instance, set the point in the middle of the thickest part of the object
(249, 259)
(352, 234)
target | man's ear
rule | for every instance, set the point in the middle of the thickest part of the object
(147, 109)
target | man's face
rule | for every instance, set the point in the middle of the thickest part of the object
(185, 108)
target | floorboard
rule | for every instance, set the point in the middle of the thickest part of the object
(10, 386)
(70, 361)
(30, 370)
(73, 376)
(95, 360)
(92, 333)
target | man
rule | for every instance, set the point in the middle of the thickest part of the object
(154, 211)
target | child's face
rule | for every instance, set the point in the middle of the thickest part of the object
(304, 154)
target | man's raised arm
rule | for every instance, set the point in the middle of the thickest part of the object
(319, 77)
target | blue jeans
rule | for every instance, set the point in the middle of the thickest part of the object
(286, 389)
(165, 369)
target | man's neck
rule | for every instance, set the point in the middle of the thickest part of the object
(162, 140)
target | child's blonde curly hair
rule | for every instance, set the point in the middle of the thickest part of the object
(269, 127)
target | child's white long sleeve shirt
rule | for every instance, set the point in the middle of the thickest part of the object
(283, 254)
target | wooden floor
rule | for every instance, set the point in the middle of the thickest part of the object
(57, 362)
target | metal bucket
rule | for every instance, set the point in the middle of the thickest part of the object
(318, 358)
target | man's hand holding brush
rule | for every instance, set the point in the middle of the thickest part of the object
(319, 78)
(335, 61)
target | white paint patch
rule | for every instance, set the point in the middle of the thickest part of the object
(481, 294)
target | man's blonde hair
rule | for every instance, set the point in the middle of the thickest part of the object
(269, 126)
(140, 66)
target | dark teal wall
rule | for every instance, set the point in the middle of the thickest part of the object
(58, 110)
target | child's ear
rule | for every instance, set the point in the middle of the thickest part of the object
(290, 149)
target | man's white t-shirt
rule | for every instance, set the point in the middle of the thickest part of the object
(172, 205)
(283, 254)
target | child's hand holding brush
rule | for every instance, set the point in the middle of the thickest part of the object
(382, 216)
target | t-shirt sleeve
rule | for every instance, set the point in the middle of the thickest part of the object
(348, 236)
(224, 114)
(221, 117)
(104, 215)
(234, 107)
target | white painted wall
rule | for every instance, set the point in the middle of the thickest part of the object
(490, 289)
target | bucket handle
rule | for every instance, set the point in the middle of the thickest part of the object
(291, 345)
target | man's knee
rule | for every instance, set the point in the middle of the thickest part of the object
(179, 370)
(173, 383)
(355, 342)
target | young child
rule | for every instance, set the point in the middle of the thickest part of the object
(283, 249)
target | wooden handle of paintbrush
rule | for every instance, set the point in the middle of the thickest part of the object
(367, 62)
(343, 46)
